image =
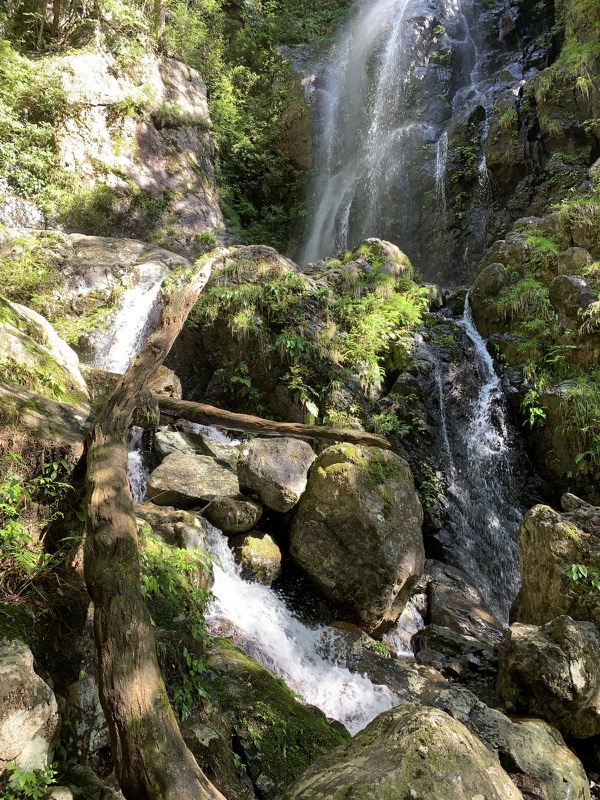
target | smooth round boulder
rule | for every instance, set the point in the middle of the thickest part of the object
(357, 533)
(233, 515)
(409, 751)
(275, 470)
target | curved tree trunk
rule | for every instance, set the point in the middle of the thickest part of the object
(151, 759)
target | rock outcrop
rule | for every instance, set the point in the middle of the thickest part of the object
(410, 751)
(357, 532)
(187, 481)
(552, 671)
(29, 721)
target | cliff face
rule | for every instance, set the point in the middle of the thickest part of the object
(132, 153)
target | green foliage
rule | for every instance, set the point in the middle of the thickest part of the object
(17, 784)
(588, 577)
(22, 555)
(31, 104)
(534, 413)
(580, 408)
(431, 490)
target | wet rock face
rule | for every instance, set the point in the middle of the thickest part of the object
(410, 750)
(357, 532)
(259, 556)
(552, 672)
(29, 722)
(233, 515)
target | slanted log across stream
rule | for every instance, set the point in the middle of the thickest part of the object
(151, 759)
(211, 415)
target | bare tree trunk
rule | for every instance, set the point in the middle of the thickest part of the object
(211, 415)
(151, 759)
(55, 17)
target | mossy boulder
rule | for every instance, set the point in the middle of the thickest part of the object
(34, 356)
(409, 751)
(552, 672)
(233, 515)
(276, 737)
(550, 543)
(357, 532)
(259, 556)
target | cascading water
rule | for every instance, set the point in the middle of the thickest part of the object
(481, 467)
(136, 316)
(400, 74)
(260, 622)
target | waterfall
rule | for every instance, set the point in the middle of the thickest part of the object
(260, 622)
(137, 315)
(400, 73)
(476, 441)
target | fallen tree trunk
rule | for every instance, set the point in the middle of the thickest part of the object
(211, 415)
(151, 759)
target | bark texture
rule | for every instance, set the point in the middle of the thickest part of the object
(151, 759)
(211, 415)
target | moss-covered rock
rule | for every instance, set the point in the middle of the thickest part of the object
(259, 556)
(274, 737)
(406, 752)
(357, 532)
(550, 545)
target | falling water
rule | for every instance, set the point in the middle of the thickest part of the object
(136, 316)
(441, 161)
(260, 622)
(482, 490)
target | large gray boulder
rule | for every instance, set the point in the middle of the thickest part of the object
(29, 721)
(275, 470)
(549, 543)
(357, 532)
(409, 751)
(552, 672)
(186, 481)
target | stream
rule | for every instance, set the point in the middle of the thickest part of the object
(366, 132)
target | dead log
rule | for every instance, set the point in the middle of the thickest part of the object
(211, 415)
(151, 759)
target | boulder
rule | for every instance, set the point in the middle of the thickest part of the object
(165, 382)
(455, 603)
(357, 532)
(486, 286)
(275, 470)
(552, 671)
(34, 355)
(573, 261)
(276, 736)
(549, 544)
(527, 747)
(409, 751)
(259, 556)
(189, 480)
(452, 653)
(233, 515)
(29, 721)
(569, 296)
(169, 441)
(167, 523)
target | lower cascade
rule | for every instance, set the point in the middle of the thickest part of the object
(258, 620)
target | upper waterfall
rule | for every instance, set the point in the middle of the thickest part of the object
(400, 72)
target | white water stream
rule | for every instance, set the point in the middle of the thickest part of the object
(487, 515)
(259, 621)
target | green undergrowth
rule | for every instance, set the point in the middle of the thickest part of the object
(29, 504)
(550, 351)
(319, 334)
